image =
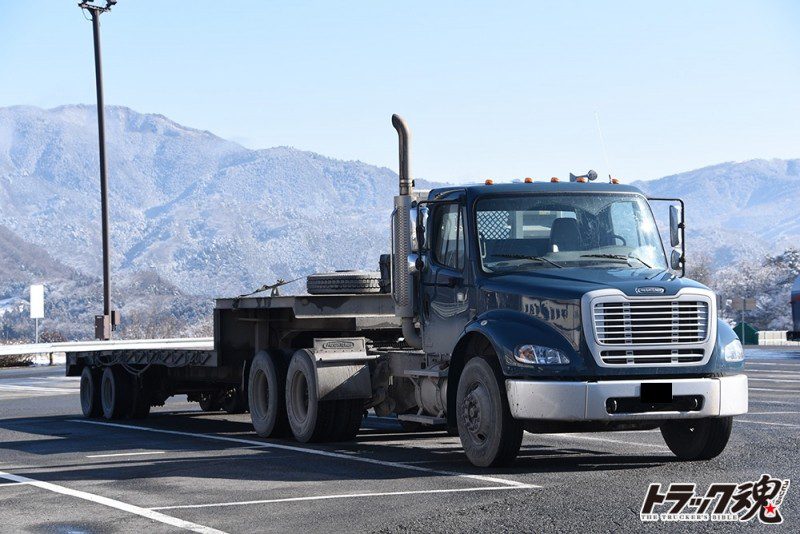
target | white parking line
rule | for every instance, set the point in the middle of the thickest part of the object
(9, 387)
(123, 454)
(767, 423)
(771, 413)
(787, 380)
(112, 503)
(345, 496)
(773, 390)
(317, 452)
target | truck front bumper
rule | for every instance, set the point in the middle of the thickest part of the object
(590, 401)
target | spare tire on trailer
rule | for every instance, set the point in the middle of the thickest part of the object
(352, 282)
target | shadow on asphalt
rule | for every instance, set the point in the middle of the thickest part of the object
(60, 435)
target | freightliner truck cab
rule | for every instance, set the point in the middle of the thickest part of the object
(553, 307)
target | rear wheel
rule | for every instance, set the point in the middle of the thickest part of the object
(90, 392)
(115, 393)
(697, 439)
(489, 435)
(309, 419)
(267, 395)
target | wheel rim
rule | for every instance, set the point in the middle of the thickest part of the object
(300, 396)
(261, 390)
(476, 412)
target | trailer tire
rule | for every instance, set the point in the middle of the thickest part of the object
(697, 439)
(489, 435)
(266, 392)
(115, 393)
(209, 402)
(349, 282)
(90, 392)
(234, 402)
(309, 419)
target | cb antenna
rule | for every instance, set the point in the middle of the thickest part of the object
(603, 143)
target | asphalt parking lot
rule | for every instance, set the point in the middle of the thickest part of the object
(182, 469)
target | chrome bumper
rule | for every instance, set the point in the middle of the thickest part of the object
(586, 401)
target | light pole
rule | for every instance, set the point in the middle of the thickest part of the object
(103, 324)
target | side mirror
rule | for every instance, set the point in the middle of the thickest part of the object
(674, 226)
(421, 225)
(676, 260)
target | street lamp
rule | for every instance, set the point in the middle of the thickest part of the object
(103, 324)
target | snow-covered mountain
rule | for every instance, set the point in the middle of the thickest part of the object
(737, 210)
(206, 214)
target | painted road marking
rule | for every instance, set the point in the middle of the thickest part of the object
(786, 380)
(123, 454)
(16, 388)
(767, 423)
(774, 390)
(112, 503)
(771, 413)
(317, 452)
(345, 496)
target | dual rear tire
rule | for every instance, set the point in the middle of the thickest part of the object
(113, 393)
(284, 399)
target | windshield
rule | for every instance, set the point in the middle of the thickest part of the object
(518, 233)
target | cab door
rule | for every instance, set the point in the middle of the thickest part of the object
(445, 295)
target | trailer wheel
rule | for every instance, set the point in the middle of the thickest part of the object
(267, 395)
(90, 392)
(489, 435)
(234, 402)
(309, 419)
(351, 282)
(697, 439)
(209, 402)
(115, 393)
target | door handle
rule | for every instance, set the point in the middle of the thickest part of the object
(451, 281)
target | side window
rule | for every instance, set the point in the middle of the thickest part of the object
(448, 243)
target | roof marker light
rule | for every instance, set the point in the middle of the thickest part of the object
(489, 181)
(554, 179)
(529, 180)
(614, 181)
(580, 179)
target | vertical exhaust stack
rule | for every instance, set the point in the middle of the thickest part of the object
(402, 227)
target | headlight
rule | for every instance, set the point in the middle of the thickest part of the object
(733, 351)
(536, 354)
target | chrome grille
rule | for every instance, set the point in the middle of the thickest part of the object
(651, 322)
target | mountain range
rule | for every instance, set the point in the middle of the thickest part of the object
(195, 216)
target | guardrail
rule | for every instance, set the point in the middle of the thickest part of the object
(198, 343)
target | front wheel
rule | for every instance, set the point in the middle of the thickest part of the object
(697, 439)
(489, 435)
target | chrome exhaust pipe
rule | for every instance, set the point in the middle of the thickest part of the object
(402, 228)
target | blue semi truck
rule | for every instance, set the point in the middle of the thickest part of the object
(503, 308)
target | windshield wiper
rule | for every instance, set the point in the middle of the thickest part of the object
(617, 257)
(524, 257)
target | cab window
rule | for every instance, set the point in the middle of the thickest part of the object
(448, 240)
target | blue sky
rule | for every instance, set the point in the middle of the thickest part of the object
(491, 89)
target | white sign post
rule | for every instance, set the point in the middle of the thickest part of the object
(37, 305)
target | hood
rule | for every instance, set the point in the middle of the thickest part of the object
(573, 283)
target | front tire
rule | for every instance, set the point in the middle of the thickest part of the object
(697, 439)
(489, 435)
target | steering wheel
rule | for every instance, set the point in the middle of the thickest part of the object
(617, 236)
